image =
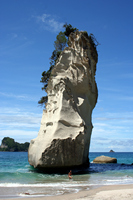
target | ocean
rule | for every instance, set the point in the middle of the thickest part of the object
(18, 178)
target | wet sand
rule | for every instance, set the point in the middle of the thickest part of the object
(110, 192)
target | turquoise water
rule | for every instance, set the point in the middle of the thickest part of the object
(15, 171)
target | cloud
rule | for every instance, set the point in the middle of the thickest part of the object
(108, 116)
(127, 98)
(19, 124)
(112, 118)
(10, 48)
(20, 136)
(112, 130)
(19, 119)
(110, 89)
(22, 97)
(49, 23)
(122, 142)
(103, 144)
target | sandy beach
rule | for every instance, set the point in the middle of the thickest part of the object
(110, 192)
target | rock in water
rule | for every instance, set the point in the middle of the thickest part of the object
(104, 159)
(65, 132)
(111, 151)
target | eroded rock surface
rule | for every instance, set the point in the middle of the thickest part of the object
(65, 132)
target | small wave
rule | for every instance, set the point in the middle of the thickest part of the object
(21, 185)
(32, 195)
(55, 185)
(35, 194)
(126, 180)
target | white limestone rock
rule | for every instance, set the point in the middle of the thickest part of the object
(65, 132)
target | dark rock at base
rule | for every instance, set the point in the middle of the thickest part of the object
(81, 169)
(122, 163)
(104, 159)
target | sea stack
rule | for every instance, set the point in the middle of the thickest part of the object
(64, 137)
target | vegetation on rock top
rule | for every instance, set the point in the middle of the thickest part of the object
(8, 144)
(60, 43)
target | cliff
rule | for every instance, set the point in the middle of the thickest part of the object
(65, 132)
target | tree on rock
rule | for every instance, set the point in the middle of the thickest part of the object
(59, 44)
(69, 29)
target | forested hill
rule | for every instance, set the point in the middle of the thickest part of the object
(8, 144)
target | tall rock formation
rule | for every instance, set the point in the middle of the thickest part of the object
(65, 132)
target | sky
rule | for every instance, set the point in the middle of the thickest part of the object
(28, 31)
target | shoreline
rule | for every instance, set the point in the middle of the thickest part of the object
(111, 192)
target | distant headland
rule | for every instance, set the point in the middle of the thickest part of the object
(9, 144)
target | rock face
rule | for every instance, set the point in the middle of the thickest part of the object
(104, 159)
(65, 132)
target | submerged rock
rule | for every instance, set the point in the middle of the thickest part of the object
(104, 159)
(65, 132)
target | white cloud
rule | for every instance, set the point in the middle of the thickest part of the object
(113, 116)
(21, 120)
(127, 98)
(106, 144)
(20, 136)
(18, 123)
(23, 97)
(112, 131)
(110, 89)
(49, 23)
